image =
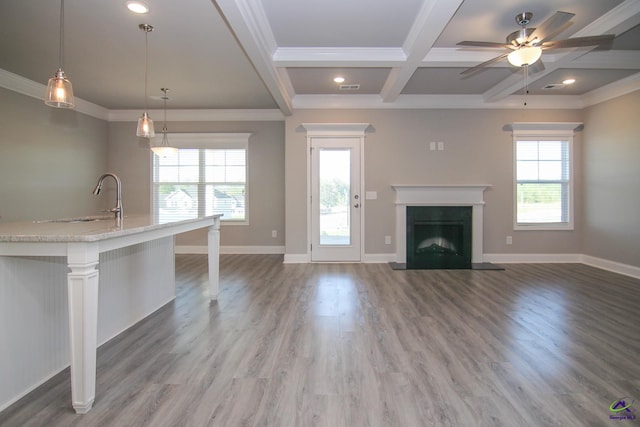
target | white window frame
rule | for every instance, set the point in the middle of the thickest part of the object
(556, 131)
(216, 140)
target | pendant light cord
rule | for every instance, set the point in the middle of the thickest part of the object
(526, 83)
(164, 98)
(61, 50)
(146, 65)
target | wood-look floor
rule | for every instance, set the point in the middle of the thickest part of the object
(363, 345)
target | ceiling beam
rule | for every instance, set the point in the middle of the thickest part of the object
(430, 22)
(248, 22)
(339, 57)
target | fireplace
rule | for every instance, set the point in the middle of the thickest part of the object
(439, 237)
(469, 196)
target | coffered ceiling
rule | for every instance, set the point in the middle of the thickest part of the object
(284, 54)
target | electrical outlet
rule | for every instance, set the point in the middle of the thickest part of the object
(274, 233)
(440, 146)
(432, 146)
(509, 240)
(387, 240)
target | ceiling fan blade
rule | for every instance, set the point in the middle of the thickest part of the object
(483, 44)
(554, 33)
(550, 26)
(484, 64)
(579, 41)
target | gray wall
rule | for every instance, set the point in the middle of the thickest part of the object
(612, 180)
(50, 159)
(130, 158)
(396, 151)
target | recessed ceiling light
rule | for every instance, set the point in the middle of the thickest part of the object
(568, 81)
(338, 79)
(137, 7)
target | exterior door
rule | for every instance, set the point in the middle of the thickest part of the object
(336, 203)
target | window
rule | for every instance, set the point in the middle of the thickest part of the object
(207, 176)
(543, 178)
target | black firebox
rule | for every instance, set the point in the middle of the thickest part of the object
(439, 237)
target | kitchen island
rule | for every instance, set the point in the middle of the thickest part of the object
(126, 267)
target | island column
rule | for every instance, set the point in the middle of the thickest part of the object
(82, 288)
(213, 237)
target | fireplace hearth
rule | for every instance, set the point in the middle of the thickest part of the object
(439, 237)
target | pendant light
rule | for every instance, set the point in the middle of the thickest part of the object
(164, 149)
(59, 90)
(145, 124)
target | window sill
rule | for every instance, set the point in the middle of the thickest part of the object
(543, 227)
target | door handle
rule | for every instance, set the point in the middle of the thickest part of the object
(357, 205)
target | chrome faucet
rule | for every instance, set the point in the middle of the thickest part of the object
(118, 209)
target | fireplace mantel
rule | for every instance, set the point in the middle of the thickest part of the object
(439, 195)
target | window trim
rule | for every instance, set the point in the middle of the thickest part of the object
(552, 131)
(216, 140)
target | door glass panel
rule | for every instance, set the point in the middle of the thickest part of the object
(335, 193)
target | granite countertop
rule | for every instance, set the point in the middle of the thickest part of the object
(84, 229)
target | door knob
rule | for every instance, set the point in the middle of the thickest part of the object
(357, 205)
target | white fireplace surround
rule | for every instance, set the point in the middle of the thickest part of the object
(439, 195)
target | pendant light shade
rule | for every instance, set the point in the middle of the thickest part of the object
(164, 149)
(59, 91)
(145, 124)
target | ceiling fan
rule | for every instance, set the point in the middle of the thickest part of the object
(526, 44)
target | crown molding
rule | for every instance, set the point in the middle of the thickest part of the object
(27, 87)
(435, 101)
(612, 90)
(621, 87)
(230, 115)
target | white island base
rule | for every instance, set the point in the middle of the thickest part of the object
(116, 276)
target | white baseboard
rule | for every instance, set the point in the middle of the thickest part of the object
(202, 250)
(296, 258)
(252, 249)
(616, 267)
(605, 264)
(532, 258)
(366, 258)
(378, 258)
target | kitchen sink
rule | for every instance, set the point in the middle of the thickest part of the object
(77, 220)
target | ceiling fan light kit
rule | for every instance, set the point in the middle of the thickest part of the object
(526, 55)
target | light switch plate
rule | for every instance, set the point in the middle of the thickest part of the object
(371, 195)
